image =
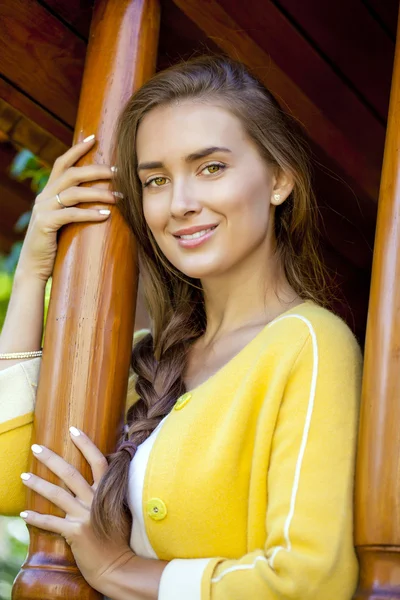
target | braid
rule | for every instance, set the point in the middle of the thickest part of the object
(143, 416)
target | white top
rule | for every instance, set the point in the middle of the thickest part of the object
(139, 541)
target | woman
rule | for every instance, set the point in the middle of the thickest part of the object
(234, 478)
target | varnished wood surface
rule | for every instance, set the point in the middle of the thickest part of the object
(359, 55)
(90, 322)
(37, 116)
(27, 134)
(76, 13)
(378, 461)
(41, 57)
(380, 573)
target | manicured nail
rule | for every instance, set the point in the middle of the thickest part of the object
(75, 431)
(23, 514)
(89, 138)
(117, 194)
(104, 211)
(25, 476)
(114, 169)
(36, 448)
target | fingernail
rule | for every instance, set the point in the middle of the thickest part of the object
(23, 514)
(114, 169)
(89, 138)
(75, 431)
(104, 211)
(25, 476)
(36, 448)
(117, 194)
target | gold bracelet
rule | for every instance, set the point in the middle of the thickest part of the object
(12, 355)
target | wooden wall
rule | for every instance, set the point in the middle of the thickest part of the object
(329, 63)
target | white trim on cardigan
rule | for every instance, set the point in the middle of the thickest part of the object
(300, 457)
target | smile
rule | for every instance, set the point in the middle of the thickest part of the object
(195, 239)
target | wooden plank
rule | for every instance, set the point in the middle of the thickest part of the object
(363, 54)
(340, 133)
(27, 134)
(35, 113)
(41, 57)
(77, 13)
(386, 11)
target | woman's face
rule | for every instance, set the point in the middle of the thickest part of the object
(230, 186)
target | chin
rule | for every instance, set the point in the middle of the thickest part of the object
(200, 272)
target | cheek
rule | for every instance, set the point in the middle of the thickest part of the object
(246, 203)
(155, 214)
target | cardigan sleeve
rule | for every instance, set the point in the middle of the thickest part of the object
(18, 385)
(308, 552)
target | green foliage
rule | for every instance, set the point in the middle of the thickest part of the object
(24, 166)
(28, 166)
(14, 538)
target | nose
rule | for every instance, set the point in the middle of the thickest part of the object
(183, 199)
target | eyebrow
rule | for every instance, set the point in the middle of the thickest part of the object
(188, 159)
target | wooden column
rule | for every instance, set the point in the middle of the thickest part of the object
(378, 463)
(89, 330)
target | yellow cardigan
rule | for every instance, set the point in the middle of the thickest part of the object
(248, 490)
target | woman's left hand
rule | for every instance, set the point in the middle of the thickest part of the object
(95, 560)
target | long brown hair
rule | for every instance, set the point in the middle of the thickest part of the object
(175, 301)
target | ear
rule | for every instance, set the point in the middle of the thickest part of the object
(284, 184)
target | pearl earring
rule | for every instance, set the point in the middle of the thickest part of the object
(277, 197)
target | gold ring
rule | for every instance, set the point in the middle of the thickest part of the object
(59, 201)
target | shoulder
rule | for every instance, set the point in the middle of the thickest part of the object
(315, 334)
(309, 320)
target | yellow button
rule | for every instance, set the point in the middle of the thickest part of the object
(182, 401)
(156, 509)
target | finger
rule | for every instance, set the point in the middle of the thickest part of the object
(86, 174)
(66, 472)
(47, 522)
(74, 176)
(76, 195)
(90, 451)
(52, 220)
(70, 157)
(54, 493)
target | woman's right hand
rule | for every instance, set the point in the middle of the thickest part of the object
(40, 244)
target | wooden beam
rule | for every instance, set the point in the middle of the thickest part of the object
(377, 530)
(41, 57)
(89, 332)
(360, 164)
(25, 133)
(363, 54)
(77, 13)
(385, 12)
(35, 113)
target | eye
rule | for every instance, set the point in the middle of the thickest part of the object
(215, 168)
(157, 180)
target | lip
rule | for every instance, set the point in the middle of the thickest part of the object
(195, 229)
(197, 241)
